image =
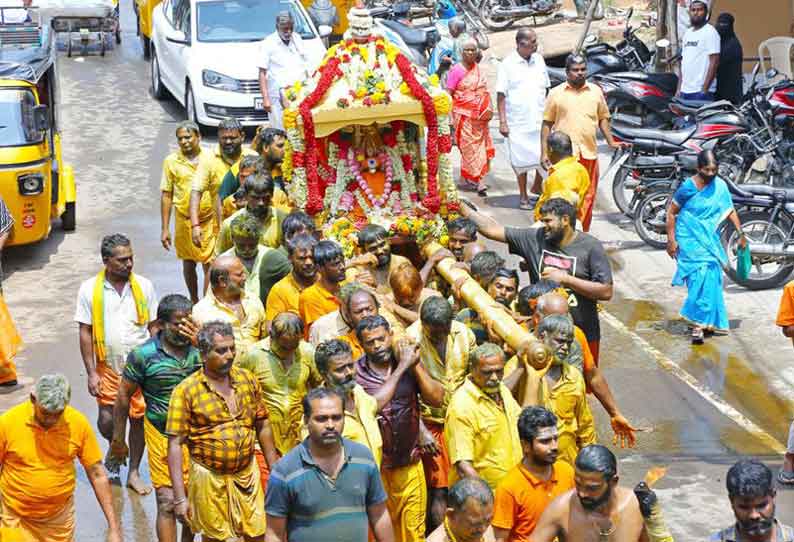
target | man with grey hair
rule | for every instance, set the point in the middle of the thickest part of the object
(469, 515)
(39, 441)
(283, 61)
(481, 426)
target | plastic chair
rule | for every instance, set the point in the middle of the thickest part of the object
(779, 50)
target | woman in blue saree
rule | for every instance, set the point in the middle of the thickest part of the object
(698, 208)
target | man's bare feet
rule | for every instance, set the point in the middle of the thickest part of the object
(135, 483)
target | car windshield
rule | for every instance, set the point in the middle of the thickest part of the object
(16, 118)
(245, 20)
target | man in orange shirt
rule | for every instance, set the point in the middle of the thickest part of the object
(285, 294)
(530, 486)
(785, 320)
(321, 297)
(39, 441)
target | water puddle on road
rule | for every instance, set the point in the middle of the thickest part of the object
(719, 365)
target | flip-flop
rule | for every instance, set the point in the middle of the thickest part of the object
(482, 192)
(785, 477)
(525, 205)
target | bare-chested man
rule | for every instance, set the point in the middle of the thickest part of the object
(597, 510)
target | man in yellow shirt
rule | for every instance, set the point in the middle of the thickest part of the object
(245, 236)
(284, 367)
(211, 170)
(567, 178)
(285, 294)
(338, 368)
(259, 204)
(444, 349)
(481, 427)
(562, 389)
(39, 441)
(321, 297)
(226, 301)
(179, 168)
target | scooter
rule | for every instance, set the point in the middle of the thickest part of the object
(415, 42)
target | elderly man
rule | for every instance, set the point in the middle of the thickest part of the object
(244, 230)
(468, 518)
(116, 310)
(283, 60)
(327, 487)
(596, 508)
(335, 362)
(521, 87)
(179, 168)
(530, 486)
(227, 301)
(444, 349)
(403, 473)
(39, 441)
(751, 491)
(373, 240)
(481, 425)
(219, 412)
(320, 298)
(156, 367)
(576, 107)
(284, 367)
(258, 204)
(285, 294)
(212, 168)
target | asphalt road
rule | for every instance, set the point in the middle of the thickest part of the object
(702, 407)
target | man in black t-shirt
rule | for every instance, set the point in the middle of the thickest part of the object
(558, 252)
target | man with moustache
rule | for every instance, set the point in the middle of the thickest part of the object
(211, 170)
(230, 200)
(276, 263)
(502, 287)
(468, 517)
(374, 239)
(328, 487)
(156, 367)
(285, 294)
(597, 508)
(321, 298)
(219, 413)
(259, 204)
(751, 490)
(576, 108)
(245, 238)
(179, 168)
(530, 486)
(402, 471)
(573, 259)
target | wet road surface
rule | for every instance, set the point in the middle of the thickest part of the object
(702, 406)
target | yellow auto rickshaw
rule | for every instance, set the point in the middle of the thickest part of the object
(35, 183)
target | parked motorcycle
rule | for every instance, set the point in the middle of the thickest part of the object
(415, 42)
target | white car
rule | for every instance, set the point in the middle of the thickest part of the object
(205, 53)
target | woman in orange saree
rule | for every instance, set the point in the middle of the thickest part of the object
(471, 111)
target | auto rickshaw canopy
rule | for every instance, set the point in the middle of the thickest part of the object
(27, 51)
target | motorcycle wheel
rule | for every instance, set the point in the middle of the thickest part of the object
(474, 28)
(623, 190)
(650, 219)
(496, 23)
(765, 272)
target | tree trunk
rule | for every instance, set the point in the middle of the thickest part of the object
(587, 21)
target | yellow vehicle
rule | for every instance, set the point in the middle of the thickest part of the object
(143, 14)
(35, 183)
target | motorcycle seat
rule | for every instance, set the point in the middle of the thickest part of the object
(674, 137)
(770, 191)
(411, 36)
(667, 82)
(699, 107)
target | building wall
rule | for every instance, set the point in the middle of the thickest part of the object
(757, 20)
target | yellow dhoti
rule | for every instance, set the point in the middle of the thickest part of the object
(183, 243)
(157, 448)
(224, 506)
(19, 528)
(10, 341)
(407, 501)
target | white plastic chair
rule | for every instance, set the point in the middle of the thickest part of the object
(779, 51)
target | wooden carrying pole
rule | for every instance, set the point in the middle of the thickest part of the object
(518, 338)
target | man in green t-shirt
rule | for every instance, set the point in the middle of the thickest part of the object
(157, 367)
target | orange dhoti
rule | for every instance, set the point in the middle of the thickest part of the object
(16, 527)
(437, 466)
(109, 382)
(10, 343)
(589, 200)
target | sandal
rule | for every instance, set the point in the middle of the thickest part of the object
(785, 477)
(482, 192)
(525, 205)
(697, 335)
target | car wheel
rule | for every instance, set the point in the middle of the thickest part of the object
(190, 104)
(158, 92)
(146, 43)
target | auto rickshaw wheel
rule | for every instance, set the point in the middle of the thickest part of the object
(69, 45)
(69, 216)
(147, 47)
(118, 36)
(102, 38)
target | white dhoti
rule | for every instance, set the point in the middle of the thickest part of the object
(276, 115)
(523, 146)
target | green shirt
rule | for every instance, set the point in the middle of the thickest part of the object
(157, 373)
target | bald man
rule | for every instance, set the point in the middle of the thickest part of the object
(227, 301)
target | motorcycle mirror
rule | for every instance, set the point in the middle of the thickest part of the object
(591, 39)
(663, 43)
(630, 13)
(772, 73)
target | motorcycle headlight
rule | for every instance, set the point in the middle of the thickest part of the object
(219, 81)
(30, 184)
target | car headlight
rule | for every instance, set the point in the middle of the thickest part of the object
(218, 80)
(31, 184)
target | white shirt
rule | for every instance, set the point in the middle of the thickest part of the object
(122, 333)
(285, 64)
(524, 85)
(698, 44)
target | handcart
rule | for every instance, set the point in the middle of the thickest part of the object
(84, 22)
